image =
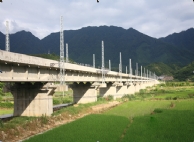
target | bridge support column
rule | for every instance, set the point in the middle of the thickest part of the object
(143, 85)
(109, 90)
(116, 90)
(32, 99)
(84, 93)
(121, 91)
(130, 89)
(137, 87)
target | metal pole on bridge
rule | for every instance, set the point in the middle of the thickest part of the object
(103, 73)
(109, 65)
(7, 44)
(136, 69)
(120, 68)
(93, 60)
(130, 69)
(61, 55)
(67, 56)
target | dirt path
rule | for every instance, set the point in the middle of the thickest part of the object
(41, 125)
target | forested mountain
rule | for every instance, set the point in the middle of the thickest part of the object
(183, 40)
(186, 73)
(85, 42)
(163, 69)
(22, 42)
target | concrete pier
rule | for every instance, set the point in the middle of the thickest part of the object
(137, 87)
(130, 89)
(32, 99)
(109, 90)
(84, 93)
(120, 91)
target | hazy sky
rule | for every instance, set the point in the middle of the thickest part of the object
(156, 18)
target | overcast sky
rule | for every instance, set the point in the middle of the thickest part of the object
(156, 18)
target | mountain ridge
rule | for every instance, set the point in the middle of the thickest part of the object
(85, 42)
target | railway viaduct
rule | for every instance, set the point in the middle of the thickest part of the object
(34, 82)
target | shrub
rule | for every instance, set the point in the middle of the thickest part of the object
(100, 98)
(56, 101)
(168, 98)
(158, 110)
(1, 124)
(175, 98)
(129, 97)
(109, 98)
(43, 119)
(6, 105)
(191, 95)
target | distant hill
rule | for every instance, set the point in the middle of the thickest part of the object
(162, 69)
(22, 42)
(186, 73)
(133, 44)
(183, 40)
(87, 41)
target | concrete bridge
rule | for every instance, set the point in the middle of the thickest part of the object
(34, 79)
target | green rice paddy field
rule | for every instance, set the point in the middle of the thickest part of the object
(145, 120)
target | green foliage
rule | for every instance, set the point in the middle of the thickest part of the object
(109, 98)
(186, 73)
(1, 124)
(161, 68)
(44, 119)
(6, 105)
(2, 85)
(56, 101)
(157, 110)
(129, 97)
(62, 100)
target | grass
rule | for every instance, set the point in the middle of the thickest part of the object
(87, 129)
(16, 121)
(169, 126)
(137, 108)
(6, 111)
(80, 108)
(58, 97)
(159, 119)
(148, 116)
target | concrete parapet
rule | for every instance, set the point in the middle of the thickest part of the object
(32, 99)
(83, 93)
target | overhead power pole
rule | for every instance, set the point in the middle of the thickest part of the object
(67, 54)
(130, 69)
(93, 60)
(61, 53)
(103, 73)
(120, 68)
(137, 69)
(7, 45)
(109, 65)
